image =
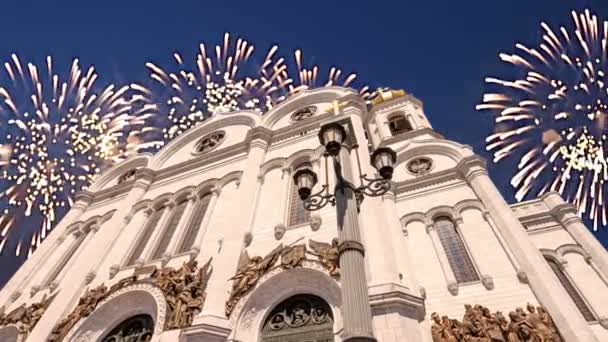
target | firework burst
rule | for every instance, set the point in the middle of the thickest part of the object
(58, 133)
(551, 118)
(226, 78)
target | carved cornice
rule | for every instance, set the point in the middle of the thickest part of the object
(472, 166)
(565, 213)
(395, 296)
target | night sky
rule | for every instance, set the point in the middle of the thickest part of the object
(438, 50)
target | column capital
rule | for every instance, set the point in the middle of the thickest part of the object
(471, 167)
(216, 190)
(144, 175)
(82, 199)
(561, 211)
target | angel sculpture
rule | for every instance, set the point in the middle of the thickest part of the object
(249, 273)
(292, 256)
(327, 254)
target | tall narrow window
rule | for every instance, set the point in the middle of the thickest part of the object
(194, 225)
(572, 291)
(297, 214)
(169, 230)
(399, 124)
(145, 237)
(454, 248)
(65, 259)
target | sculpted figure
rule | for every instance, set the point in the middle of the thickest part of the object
(440, 331)
(293, 256)
(327, 254)
(249, 274)
(492, 326)
(87, 303)
(548, 322)
(184, 291)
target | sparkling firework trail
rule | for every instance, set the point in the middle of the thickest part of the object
(552, 116)
(58, 133)
(226, 78)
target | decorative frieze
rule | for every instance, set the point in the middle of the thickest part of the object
(479, 324)
(25, 317)
(183, 289)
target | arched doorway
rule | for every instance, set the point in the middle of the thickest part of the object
(135, 329)
(301, 318)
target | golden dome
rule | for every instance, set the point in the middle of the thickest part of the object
(387, 94)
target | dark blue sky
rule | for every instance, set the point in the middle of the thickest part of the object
(438, 50)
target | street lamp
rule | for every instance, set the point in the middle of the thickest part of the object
(347, 198)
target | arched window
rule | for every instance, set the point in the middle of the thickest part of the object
(169, 230)
(135, 329)
(399, 124)
(194, 225)
(299, 318)
(297, 214)
(458, 256)
(65, 259)
(146, 234)
(571, 289)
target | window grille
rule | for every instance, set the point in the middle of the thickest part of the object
(458, 256)
(145, 237)
(195, 225)
(176, 216)
(572, 291)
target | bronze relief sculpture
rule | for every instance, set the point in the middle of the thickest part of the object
(26, 317)
(184, 291)
(480, 325)
(250, 270)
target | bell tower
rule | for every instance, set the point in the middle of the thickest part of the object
(395, 116)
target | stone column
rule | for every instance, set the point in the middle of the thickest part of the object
(356, 311)
(157, 234)
(14, 288)
(198, 241)
(566, 214)
(543, 282)
(399, 241)
(380, 256)
(182, 226)
(450, 279)
(286, 179)
(225, 260)
(96, 252)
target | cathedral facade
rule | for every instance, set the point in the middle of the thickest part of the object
(208, 240)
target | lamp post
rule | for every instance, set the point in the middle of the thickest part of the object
(347, 197)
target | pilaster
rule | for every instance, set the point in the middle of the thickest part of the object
(566, 214)
(543, 282)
